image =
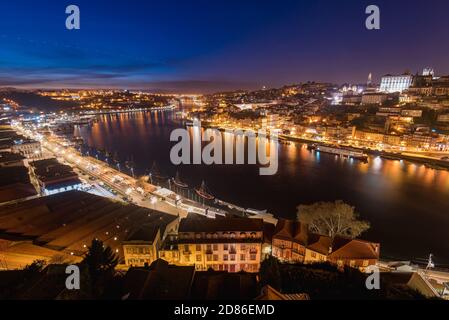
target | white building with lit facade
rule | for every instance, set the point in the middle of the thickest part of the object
(391, 84)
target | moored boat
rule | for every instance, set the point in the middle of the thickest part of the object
(203, 193)
(155, 173)
(340, 151)
(178, 182)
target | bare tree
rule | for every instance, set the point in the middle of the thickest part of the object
(332, 219)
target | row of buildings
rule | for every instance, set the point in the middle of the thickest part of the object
(24, 158)
(240, 244)
(66, 223)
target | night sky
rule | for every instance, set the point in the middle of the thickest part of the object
(202, 46)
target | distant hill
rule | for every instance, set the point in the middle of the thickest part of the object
(31, 99)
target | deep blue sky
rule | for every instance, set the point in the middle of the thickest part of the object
(198, 46)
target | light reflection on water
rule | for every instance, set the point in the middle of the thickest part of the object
(407, 204)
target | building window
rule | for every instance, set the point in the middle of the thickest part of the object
(215, 257)
(225, 257)
(209, 257)
(232, 257)
(186, 248)
(215, 247)
(242, 257)
(198, 258)
(198, 247)
(243, 246)
(225, 247)
(253, 257)
(313, 254)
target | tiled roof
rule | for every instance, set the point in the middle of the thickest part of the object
(70, 221)
(160, 281)
(341, 247)
(320, 243)
(354, 249)
(291, 230)
(192, 224)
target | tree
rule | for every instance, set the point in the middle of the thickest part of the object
(332, 219)
(100, 260)
(270, 273)
(36, 267)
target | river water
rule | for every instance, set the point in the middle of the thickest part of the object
(407, 204)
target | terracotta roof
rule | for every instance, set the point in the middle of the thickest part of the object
(301, 232)
(291, 230)
(160, 281)
(9, 156)
(11, 175)
(221, 285)
(145, 234)
(269, 293)
(354, 249)
(69, 221)
(148, 231)
(342, 247)
(320, 243)
(268, 232)
(283, 229)
(16, 191)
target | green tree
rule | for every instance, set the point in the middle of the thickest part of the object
(332, 219)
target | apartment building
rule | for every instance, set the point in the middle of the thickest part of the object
(141, 247)
(221, 244)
